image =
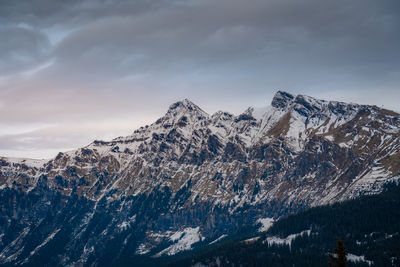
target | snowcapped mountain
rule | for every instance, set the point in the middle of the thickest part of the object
(190, 178)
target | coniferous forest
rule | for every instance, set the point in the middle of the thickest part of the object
(369, 226)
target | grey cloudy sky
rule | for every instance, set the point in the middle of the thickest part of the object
(74, 71)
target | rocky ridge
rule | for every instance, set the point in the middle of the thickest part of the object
(197, 174)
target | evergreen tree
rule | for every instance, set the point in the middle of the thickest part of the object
(341, 255)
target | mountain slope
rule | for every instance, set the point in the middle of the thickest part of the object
(191, 174)
(304, 239)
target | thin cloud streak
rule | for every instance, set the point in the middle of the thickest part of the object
(83, 62)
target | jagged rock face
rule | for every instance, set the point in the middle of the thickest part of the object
(193, 175)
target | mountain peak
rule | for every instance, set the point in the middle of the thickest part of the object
(185, 179)
(187, 109)
(282, 100)
(184, 104)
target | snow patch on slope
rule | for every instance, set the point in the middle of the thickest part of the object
(266, 223)
(355, 258)
(218, 239)
(50, 237)
(276, 240)
(143, 249)
(36, 163)
(183, 241)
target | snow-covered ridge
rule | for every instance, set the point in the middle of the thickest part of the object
(205, 170)
(251, 126)
(186, 130)
(36, 163)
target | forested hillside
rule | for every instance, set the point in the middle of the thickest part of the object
(369, 226)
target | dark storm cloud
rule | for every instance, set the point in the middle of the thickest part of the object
(78, 61)
(233, 29)
(124, 37)
(311, 38)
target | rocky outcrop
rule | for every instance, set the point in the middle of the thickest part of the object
(194, 174)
